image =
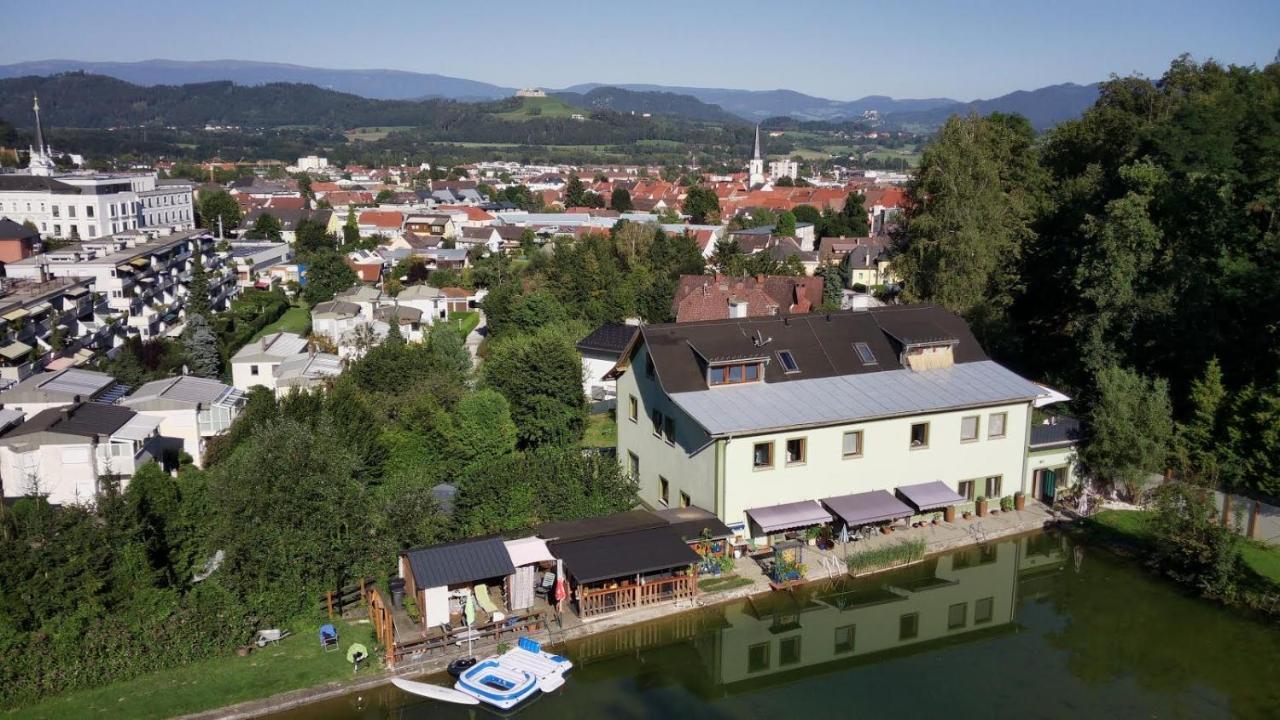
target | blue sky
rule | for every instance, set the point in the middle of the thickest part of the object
(832, 48)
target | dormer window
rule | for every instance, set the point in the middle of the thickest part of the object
(734, 374)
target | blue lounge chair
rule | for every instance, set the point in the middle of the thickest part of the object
(328, 637)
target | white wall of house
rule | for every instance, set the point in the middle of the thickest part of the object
(594, 368)
(248, 374)
(66, 472)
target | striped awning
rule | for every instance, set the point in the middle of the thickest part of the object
(17, 314)
(15, 350)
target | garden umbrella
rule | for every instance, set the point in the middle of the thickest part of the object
(561, 590)
(469, 612)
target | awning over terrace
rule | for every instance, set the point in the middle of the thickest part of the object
(867, 508)
(929, 496)
(624, 555)
(527, 551)
(788, 516)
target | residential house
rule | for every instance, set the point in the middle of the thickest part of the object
(306, 372)
(252, 261)
(717, 297)
(441, 224)
(17, 241)
(336, 321)
(256, 363)
(59, 388)
(758, 419)
(384, 223)
(486, 237)
(867, 259)
(600, 353)
(431, 302)
(366, 264)
(69, 454)
(189, 409)
(1052, 462)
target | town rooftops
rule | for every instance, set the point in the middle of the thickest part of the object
(273, 346)
(710, 297)
(85, 419)
(608, 339)
(404, 315)
(460, 562)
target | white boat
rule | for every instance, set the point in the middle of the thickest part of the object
(434, 692)
(509, 679)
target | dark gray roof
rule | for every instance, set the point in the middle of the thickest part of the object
(570, 530)
(86, 419)
(929, 496)
(822, 345)
(609, 338)
(460, 562)
(625, 554)
(1063, 430)
(867, 507)
(693, 523)
(36, 183)
(10, 230)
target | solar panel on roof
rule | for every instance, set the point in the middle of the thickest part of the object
(113, 394)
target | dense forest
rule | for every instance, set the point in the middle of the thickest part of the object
(1131, 257)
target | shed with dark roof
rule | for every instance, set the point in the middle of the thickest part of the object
(459, 563)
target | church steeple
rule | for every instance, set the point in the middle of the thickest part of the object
(40, 163)
(755, 156)
(755, 168)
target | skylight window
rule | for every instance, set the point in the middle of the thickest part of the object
(789, 364)
(864, 352)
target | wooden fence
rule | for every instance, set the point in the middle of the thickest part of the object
(336, 602)
(601, 602)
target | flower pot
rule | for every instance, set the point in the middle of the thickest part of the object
(1019, 501)
(967, 514)
(949, 514)
(244, 650)
(981, 507)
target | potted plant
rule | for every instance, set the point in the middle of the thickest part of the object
(937, 518)
(1019, 500)
(811, 535)
(967, 514)
(1006, 503)
(980, 505)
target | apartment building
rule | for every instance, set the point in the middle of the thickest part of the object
(49, 324)
(142, 277)
(757, 419)
(88, 206)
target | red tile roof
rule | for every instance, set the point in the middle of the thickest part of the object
(382, 219)
(706, 297)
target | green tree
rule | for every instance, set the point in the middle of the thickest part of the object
(540, 374)
(197, 299)
(620, 200)
(1128, 428)
(972, 203)
(574, 192)
(265, 227)
(311, 236)
(215, 205)
(327, 273)
(200, 348)
(351, 228)
(483, 428)
(702, 205)
(786, 226)
(384, 196)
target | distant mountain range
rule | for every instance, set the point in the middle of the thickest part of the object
(1045, 107)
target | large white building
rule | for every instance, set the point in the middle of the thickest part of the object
(81, 206)
(762, 420)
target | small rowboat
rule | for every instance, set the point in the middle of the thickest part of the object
(434, 692)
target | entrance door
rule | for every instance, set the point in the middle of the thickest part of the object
(1049, 485)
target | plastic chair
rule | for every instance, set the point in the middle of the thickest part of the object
(328, 637)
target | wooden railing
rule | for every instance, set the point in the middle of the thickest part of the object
(486, 632)
(335, 602)
(609, 600)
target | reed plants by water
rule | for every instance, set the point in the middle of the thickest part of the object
(900, 553)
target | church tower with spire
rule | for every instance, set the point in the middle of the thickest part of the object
(755, 169)
(41, 163)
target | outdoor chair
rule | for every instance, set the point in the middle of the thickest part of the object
(328, 637)
(548, 582)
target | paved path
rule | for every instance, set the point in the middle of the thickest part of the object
(477, 336)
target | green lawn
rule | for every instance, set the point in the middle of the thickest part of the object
(602, 431)
(294, 320)
(296, 663)
(1132, 524)
(466, 320)
(545, 107)
(722, 583)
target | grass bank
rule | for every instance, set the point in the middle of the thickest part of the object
(296, 662)
(601, 431)
(465, 321)
(1132, 527)
(294, 320)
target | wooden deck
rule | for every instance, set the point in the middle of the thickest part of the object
(602, 601)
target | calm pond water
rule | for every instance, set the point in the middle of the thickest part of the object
(1032, 627)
